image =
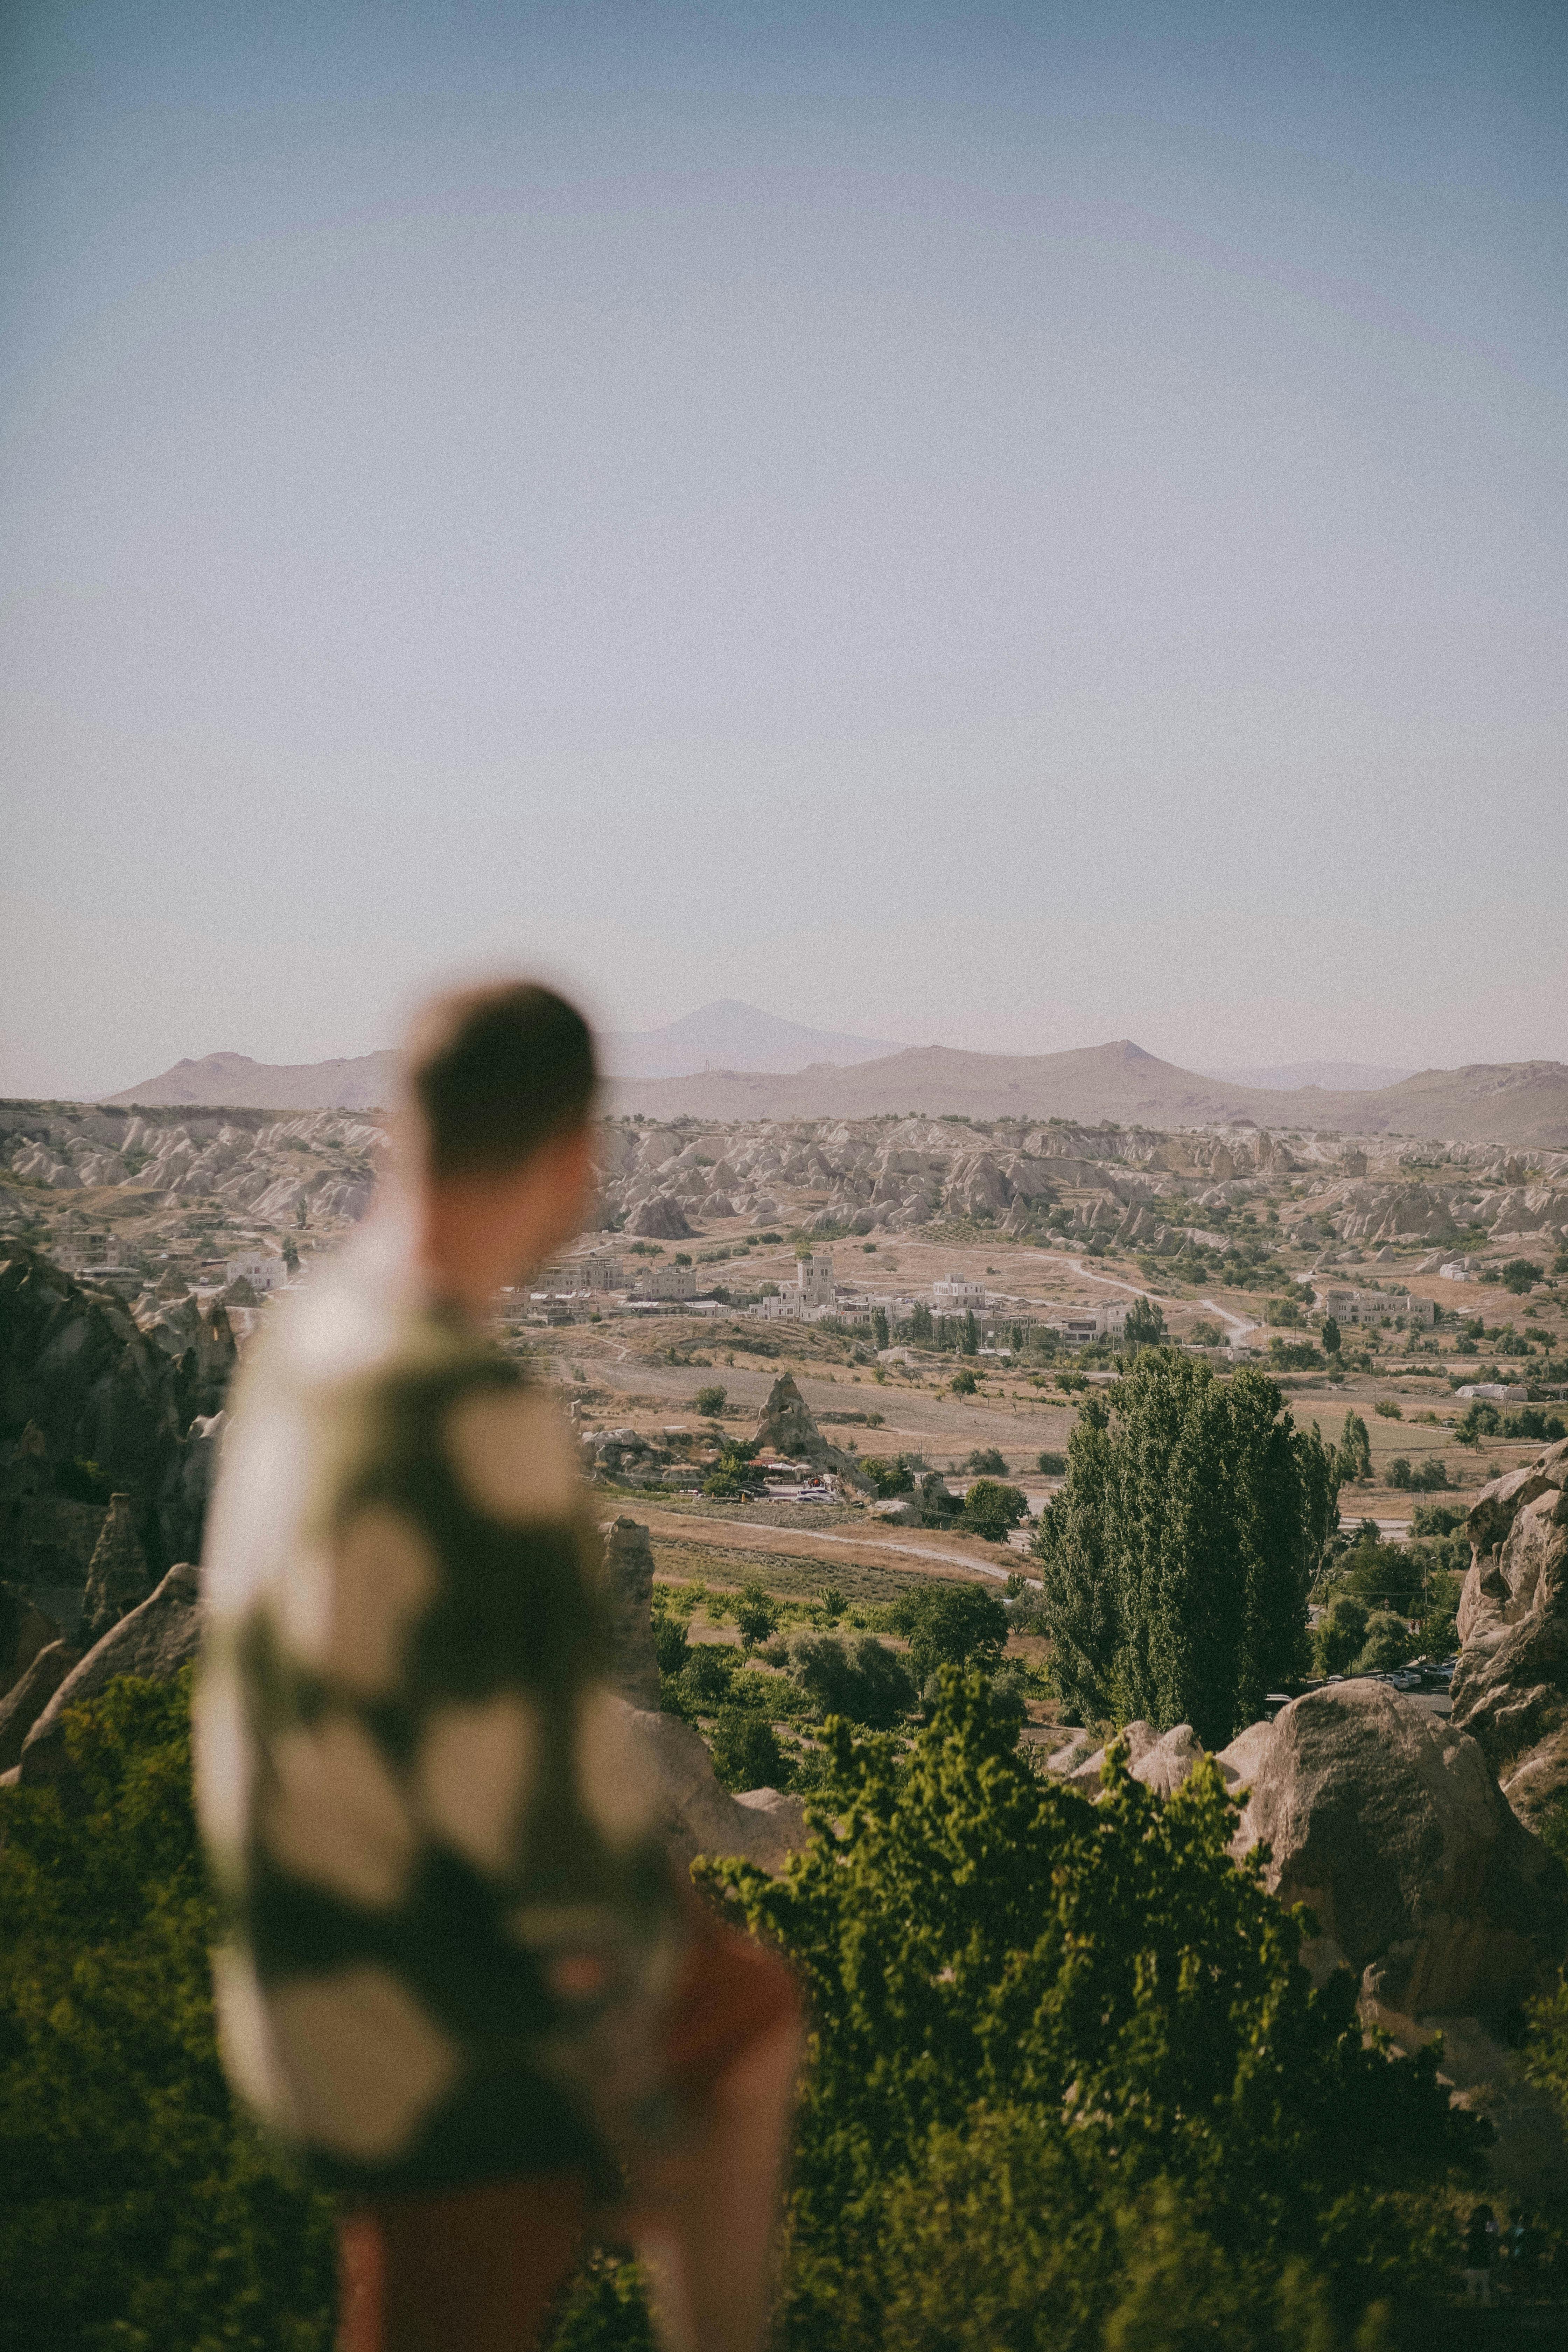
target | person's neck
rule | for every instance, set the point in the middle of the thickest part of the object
(463, 1253)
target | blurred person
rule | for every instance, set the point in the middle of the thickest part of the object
(460, 1977)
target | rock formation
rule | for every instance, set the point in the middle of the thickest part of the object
(117, 1577)
(27, 1697)
(696, 1815)
(1511, 1687)
(81, 1381)
(1389, 1824)
(661, 1219)
(628, 1584)
(785, 1425)
(154, 1641)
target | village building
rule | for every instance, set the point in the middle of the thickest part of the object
(1376, 1307)
(264, 1270)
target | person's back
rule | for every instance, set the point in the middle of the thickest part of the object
(457, 1959)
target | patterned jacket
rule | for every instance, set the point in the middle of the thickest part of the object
(450, 1925)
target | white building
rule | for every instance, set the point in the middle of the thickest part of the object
(957, 1296)
(263, 1269)
(1376, 1307)
(599, 1271)
(1495, 1392)
(814, 1279)
(667, 1282)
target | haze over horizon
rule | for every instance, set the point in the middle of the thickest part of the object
(953, 529)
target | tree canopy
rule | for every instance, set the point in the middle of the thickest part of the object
(1176, 1558)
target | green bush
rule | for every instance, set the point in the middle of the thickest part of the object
(1387, 1644)
(986, 1462)
(949, 1624)
(1339, 1633)
(1072, 2087)
(746, 1752)
(1051, 1466)
(963, 1383)
(1519, 1275)
(709, 1401)
(991, 1508)
(853, 1676)
(142, 2212)
(889, 1478)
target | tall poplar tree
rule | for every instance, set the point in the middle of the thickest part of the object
(1176, 1560)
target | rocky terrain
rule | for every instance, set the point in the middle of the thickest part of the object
(1511, 1687)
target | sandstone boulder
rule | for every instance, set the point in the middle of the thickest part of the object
(695, 1813)
(1511, 1687)
(1389, 1824)
(154, 1641)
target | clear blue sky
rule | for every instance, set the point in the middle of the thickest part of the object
(1012, 526)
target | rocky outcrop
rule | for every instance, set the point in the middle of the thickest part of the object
(79, 1381)
(154, 1641)
(628, 1585)
(25, 1630)
(1510, 1686)
(1389, 1824)
(786, 1424)
(695, 1813)
(117, 1577)
(27, 1697)
(659, 1219)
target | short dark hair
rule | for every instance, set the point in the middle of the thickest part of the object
(495, 1072)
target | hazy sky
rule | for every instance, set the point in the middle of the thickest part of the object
(1005, 526)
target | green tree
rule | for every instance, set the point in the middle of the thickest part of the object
(986, 1462)
(969, 1337)
(709, 1401)
(920, 1323)
(1519, 1275)
(1387, 1644)
(949, 1624)
(1175, 1559)
(963, 1383)
(1339, 1633)
(756, 1615)
(1330, 1335)
(991, 1508)
(746, 1752)
(1204, 1334)
(1051, 1466)
(879, 1328)
(889, 1478)
(858, 1678)
(832, 1603)
(1354, 1461)
(1146, 1325)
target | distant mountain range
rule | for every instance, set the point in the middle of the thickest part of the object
(731, 1061)
(729, 1035)
(1338, 1078)
(725, 1036)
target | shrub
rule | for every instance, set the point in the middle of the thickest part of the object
(889, 1478)
(1387, 1644)
(671, 1647)
(1204, 1334)
(1480, 1420)
(963, 1383)
(709, 1401)
(1436, 1518)
(145, 2209)
(1399, 1471)
(1519, 1275)
(1340, 1634)
(1051, 1466)
(756, 1615)
(1387, 1409)
(746, 1753)
(1073, 2088)
(986, 1462)
(857, 1677)
(991, 1508)
(949, 1624)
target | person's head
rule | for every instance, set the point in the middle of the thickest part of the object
(501, 1084)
